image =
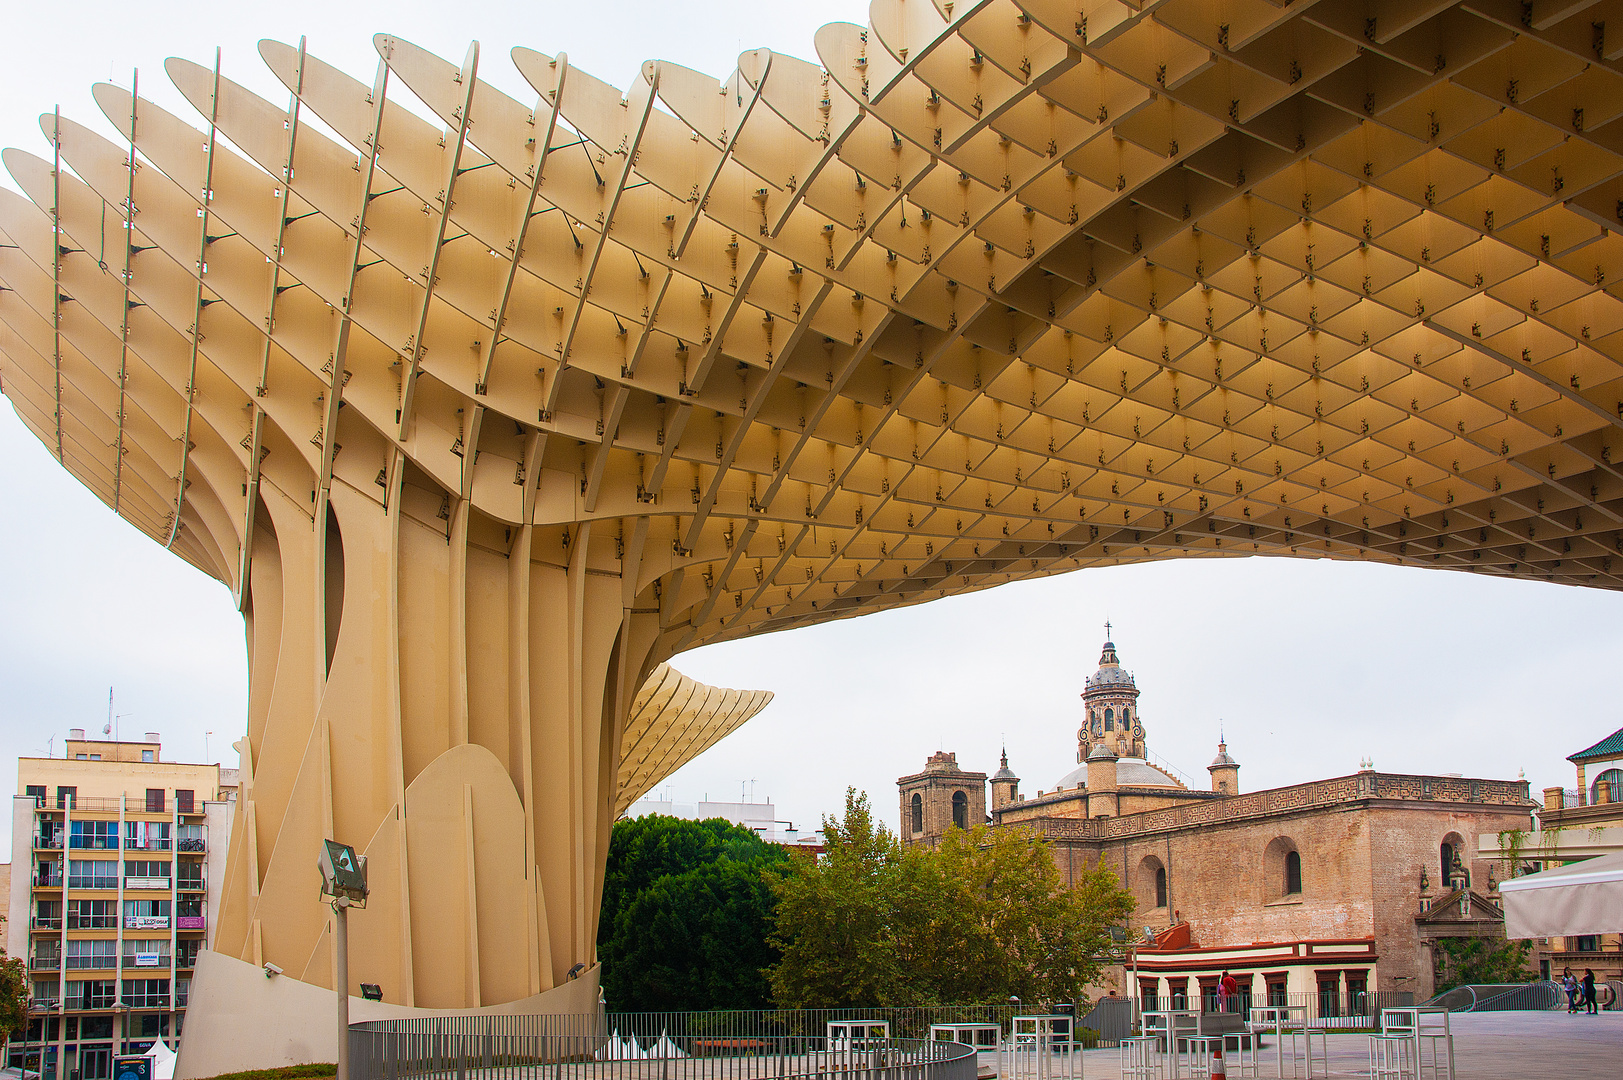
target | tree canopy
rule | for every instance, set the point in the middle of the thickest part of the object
(1475, 961)
(984, 917)
(687, 909)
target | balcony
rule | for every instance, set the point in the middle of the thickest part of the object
(43, 1004)
(149, 844)
(146, 922)
(192, 884)
(45, 963)
(191, 922)
(48, 843)
(194, 845)
(46, 922)
(48, 881)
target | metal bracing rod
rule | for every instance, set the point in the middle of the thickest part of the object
(256, 432)
(340, 349)
(797, 333)
(56, 268)
(633, 144)
(721, 159)
(408, 389)
(522, 232)
(197, 327)
(124, 317)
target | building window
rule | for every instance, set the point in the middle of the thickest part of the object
(91, 953)
(1160, 886)
(917, 804)
(92, 873)
(1448, 863)
(154, 794)
(92, 914)
(146, 836)
(146, 874)
(1607, 788)
(1110, 719)
(146, 914)
(184, 800)
(960, 810)
(65, 797)
(101, 835)
(81, 757)
(37, 793)
(146, 952)
(92, 994)
(1589, 944)
(148, 756)
(1293, 873)
(146, 993)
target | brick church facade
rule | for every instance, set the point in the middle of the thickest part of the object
(1332, 888)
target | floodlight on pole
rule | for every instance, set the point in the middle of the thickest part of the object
(343, 877)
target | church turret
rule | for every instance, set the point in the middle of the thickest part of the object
(1005, 785)
(1110, 703)
(1225, 771)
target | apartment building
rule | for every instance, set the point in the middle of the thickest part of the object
(117, 856)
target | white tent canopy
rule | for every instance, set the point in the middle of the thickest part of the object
(1579, 898)
(163, 1061)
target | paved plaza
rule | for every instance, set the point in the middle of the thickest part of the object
(1487, 1046)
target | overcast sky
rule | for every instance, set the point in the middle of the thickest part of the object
(1308, 665)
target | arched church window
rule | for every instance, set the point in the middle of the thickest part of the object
(960, 809)
(1293, 872)
(1607, 788)
(1161, 887)
(1110, 719)
(1448, 863)
(918, 813)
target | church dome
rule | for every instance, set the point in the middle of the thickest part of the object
(1130, 772)
(1111, 675)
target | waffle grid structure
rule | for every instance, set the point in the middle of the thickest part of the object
(995, 290)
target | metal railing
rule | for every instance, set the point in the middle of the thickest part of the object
(644, 1046)
(1502, 997)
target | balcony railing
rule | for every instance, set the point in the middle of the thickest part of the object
(194, 844)
(48, 843)
(46, 922)
(42, 1003)
(147, 883)
(149, 844)
(190, 922)
(192, 884)
(146, 922)
(48, 881)
(45, 963)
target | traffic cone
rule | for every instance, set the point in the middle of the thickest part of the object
(1219, 1070)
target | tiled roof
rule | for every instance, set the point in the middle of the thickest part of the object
(1607, 747)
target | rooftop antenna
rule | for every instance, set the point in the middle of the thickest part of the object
(107, 728)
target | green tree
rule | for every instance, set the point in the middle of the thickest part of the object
(853, 926)
(1475, 961)
(1010, 925)
(13, 995)
(877, 924)
(687, 908)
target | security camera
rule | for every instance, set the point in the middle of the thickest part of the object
(271, 971)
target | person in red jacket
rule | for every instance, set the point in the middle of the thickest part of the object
(1226, 989)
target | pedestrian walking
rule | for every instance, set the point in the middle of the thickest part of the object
(1570, 986)
(1589, 993)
